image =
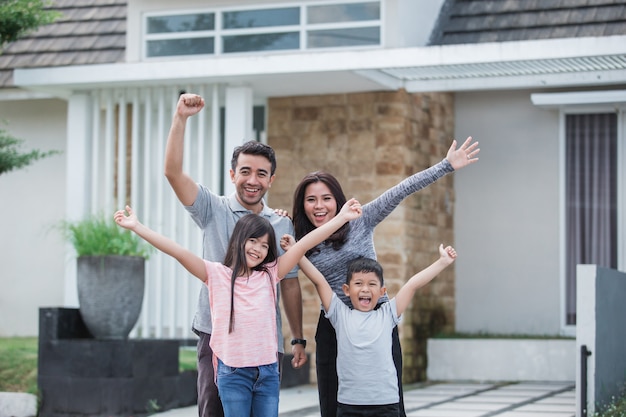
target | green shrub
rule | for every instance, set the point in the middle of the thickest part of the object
(99, 236)
(617, 408)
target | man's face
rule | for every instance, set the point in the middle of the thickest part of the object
(252, 178)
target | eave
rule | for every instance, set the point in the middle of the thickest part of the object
(593, 61)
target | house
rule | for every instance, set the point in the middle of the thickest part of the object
(369, 90)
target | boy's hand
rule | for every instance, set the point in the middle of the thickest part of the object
(351, 210)
(287, 241)
(448, 253)
(127, 222)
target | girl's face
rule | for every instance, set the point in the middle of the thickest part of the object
(320, 205)
(256, 249)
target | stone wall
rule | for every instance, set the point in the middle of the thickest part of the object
(370, 142)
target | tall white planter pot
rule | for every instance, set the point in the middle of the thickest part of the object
(110, 293)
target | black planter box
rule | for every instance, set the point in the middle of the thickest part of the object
(82, 376)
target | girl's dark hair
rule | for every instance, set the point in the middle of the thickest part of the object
(247, 227)
(301, 223)
(364, 265)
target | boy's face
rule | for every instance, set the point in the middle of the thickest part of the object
(364, 290)
(252, 179)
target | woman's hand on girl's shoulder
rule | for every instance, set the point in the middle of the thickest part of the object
(282, 213)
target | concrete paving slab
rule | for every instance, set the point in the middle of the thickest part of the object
(446, 400)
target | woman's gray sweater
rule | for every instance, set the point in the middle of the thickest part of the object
(360, 239)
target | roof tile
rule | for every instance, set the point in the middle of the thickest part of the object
(88, 32)
(475, 21)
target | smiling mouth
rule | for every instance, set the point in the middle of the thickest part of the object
(365, 301)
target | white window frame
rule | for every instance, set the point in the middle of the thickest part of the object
(219, 33)
(586, 103)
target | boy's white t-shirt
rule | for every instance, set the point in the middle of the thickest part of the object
(365, 367)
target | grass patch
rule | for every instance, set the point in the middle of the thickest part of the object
(188, 359)
(18, 363)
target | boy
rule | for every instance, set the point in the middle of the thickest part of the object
(367, 375)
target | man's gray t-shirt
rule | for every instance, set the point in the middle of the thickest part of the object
(216, 216)
(367, 374)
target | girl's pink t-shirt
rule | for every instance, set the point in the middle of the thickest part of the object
(253, 341)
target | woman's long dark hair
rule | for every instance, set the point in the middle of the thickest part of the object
(301, 223)
(247, 227)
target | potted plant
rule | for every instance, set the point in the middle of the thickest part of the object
(110, 275)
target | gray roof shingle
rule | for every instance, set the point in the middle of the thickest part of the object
(88, 32)
(477, 21)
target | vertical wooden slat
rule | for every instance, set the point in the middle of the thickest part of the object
(96, 126)
(121, 151)
(105, 191)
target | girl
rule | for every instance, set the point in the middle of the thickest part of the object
(242, 295)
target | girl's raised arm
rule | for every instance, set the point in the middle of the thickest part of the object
(192, 263)
(350, 211)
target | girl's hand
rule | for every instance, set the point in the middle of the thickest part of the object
(287, 241)
(448, 253)
(127, 222)
(351, 210)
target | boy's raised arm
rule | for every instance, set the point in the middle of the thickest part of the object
(322, 286)
(447, 255)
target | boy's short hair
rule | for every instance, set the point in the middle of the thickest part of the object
(364, 265)
(252, 147)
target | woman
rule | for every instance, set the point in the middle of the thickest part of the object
(316, 201)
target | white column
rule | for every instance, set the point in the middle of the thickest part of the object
(78, 180)
(238, 126)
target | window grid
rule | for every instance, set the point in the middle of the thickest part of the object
(304, 29)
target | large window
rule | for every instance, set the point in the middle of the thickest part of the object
(293, 27)
(591, 194)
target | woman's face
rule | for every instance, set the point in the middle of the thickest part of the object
(319, 203)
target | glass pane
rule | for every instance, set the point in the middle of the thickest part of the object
(352, 12)
(264, 42)
(181, 23)
(174, 47)
(591, 194)
(343, 37)
(261, 18)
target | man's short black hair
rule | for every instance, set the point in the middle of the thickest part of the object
(364, 265)
(253, 147)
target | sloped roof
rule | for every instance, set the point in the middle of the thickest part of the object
(88, 32)
(479, 21)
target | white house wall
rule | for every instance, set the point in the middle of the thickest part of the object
(507, 216)
(33, 202)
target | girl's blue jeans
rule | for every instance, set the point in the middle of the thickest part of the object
(251, 391)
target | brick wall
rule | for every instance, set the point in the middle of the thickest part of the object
(370, 142)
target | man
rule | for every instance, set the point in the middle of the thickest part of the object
(252, 172)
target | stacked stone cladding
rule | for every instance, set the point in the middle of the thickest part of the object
(370, 142)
